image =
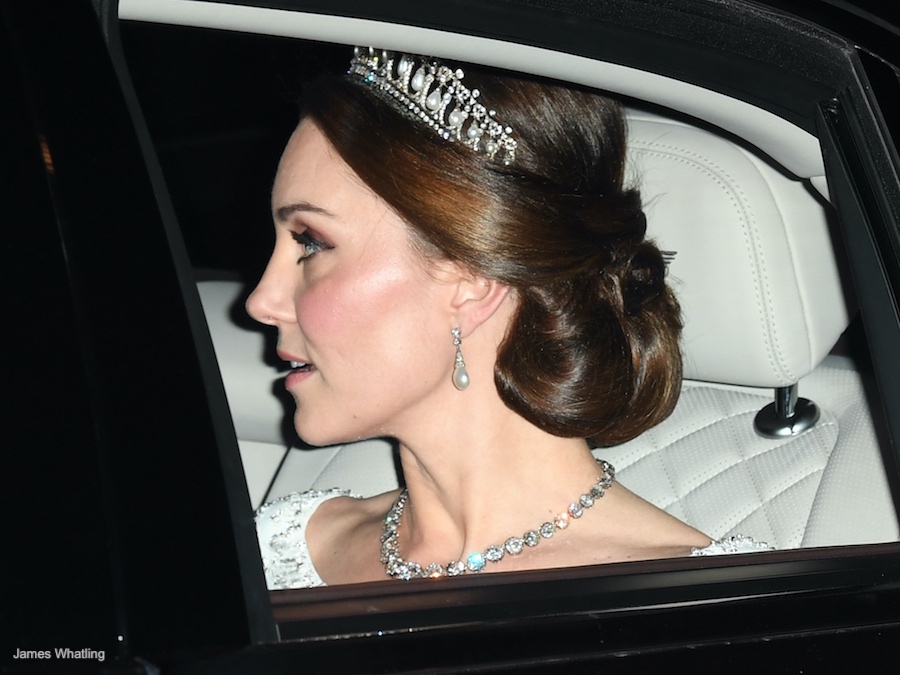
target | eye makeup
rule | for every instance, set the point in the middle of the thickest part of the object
(309, 244)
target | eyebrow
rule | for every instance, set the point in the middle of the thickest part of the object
(284, 213)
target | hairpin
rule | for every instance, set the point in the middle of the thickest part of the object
(433, 93)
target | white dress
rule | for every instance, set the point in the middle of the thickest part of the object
(281, 528)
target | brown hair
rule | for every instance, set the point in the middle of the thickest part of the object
(593, 350)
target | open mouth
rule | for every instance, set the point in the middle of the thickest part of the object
(301, 366)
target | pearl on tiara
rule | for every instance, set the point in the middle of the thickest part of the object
(434, 94)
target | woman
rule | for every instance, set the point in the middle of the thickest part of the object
(465, 273)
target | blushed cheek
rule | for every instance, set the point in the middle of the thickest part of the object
(375, 314)
(335, 315)
(317, 314)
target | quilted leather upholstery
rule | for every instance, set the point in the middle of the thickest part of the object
(706, 466)
(708, 455)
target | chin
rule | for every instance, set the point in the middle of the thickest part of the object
(317, 432)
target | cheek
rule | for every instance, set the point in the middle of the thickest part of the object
(363, 311)
(325, 314)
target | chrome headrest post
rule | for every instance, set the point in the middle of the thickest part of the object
(788, 416)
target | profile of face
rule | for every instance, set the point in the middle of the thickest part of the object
(362, 314)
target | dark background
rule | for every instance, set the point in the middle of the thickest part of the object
(220, 107)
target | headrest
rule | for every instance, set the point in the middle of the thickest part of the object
(754, 266)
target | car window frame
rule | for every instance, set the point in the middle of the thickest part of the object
(802, 582)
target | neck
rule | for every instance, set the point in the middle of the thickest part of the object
(482, 477)
(478, 473)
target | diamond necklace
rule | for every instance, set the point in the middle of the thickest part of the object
(395, 566)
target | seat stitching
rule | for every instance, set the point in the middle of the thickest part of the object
(764, 504)
(697, 430)
(751, 239)
(738, 463)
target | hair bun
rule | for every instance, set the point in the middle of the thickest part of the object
(614, 221)
(644, 279)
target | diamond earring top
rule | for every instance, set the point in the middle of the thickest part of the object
(434, 94)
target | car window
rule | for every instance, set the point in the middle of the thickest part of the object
(219, 106)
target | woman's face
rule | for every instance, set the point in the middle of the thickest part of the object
(361, 314)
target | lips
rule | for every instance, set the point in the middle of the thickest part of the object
(300, 368)
(294, 360)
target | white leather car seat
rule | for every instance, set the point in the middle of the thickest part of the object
(755, 271)
(759, 283)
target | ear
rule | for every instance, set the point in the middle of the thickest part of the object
(476, 300)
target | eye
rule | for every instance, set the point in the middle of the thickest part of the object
(309, 244)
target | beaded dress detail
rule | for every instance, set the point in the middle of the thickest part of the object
(281, 529)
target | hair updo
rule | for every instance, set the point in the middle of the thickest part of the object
(593, 349)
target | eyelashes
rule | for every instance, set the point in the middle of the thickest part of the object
(309, 244)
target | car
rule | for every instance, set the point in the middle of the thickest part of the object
(140, 138)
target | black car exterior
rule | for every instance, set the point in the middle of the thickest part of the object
(127, 528)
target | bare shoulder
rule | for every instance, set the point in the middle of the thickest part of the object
(622, 527)
(637, 530)
(348, 512)
(344, 538)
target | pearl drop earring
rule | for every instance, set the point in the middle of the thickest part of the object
(460, 374)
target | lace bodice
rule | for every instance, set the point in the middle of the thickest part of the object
(281, 528)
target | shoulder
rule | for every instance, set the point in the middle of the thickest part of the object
(331, 527)
(738, 543)
(281, 529)
(345, 538)
(294, 510)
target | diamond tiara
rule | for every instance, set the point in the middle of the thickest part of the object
(434, 93)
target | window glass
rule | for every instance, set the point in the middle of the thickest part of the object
(220, 107)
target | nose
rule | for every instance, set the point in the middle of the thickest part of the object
(271, 302)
